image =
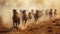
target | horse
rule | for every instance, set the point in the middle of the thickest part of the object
(16, 19)
(24, 17)
(36, 16)
(55, 13)
(50, 13)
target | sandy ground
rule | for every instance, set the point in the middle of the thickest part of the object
(51, 26)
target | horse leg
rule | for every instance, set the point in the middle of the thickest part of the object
(13, 24)
(18, 23)
(25, 21)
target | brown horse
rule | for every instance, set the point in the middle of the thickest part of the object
(55, 12)
(24, 17)
(36, 16)
(50, 13)
(29, 15)
(16, 19)
(32, 11)
(47, 12)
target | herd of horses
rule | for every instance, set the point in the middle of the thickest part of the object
(25, 17)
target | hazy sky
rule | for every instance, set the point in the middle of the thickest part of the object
(27, 3)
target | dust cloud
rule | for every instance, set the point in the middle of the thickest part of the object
(6, 7)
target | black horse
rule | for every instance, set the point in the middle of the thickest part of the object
(16, 19)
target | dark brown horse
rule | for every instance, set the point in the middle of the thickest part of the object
(50, 13)
(16, 19)
(24, 18)
(36, 16)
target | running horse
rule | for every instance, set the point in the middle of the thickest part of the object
(16, 19)
(36, 16)
(29, 16)
(55, 12)
(24, 16)
(50, 13)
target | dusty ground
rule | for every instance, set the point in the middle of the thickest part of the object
(51, 26)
